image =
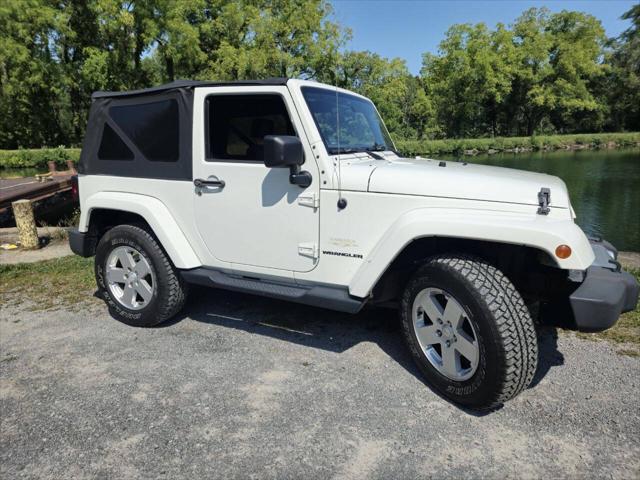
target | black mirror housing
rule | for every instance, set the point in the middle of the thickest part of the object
(282, 151)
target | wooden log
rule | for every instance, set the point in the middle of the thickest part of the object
(26, 223)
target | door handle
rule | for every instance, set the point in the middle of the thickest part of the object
(212, 181)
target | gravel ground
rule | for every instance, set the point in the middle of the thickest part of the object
(244, 387)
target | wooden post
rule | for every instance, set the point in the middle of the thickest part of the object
(26, 223)
(52, 166)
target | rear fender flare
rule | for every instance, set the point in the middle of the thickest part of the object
(155, 213)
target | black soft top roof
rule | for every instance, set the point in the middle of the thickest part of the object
(188, 84)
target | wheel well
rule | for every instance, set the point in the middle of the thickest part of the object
(103, 219)
(531, 270)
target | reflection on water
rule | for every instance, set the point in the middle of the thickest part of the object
(604, 186)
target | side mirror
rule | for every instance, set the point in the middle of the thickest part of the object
(285, 151)
(282, 151)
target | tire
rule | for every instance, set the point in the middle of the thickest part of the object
(156, 278)
(492, 319)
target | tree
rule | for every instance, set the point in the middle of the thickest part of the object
(30, 78)
(54, 53)
(469, 78)
(622, 88)
(399, 96)
(545, 73)
(266, 38)
(543, 70)
(557, 60)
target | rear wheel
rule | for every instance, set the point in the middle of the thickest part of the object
(469, 331)
(136, 278)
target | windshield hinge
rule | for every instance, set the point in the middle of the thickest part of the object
(544, 199)
(308, 250)
(309, 201)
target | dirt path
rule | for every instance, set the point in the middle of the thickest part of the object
(55, 245)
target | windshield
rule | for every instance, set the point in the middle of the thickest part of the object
(361, 128)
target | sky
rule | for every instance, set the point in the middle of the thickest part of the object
(407, 29)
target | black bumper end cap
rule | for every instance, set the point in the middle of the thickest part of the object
(602, 298)
(81, 243)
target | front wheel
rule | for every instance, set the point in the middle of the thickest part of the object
(136, 278)
(469, 331)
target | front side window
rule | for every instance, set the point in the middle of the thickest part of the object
(361, 128)
(153, 127)
(237, 125)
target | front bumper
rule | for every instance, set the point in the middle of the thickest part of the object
(606, 292)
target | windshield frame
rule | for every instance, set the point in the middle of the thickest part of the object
(333, 150)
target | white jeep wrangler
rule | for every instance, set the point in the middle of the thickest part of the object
(293, 189)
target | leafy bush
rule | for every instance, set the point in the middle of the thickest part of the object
(29, 158)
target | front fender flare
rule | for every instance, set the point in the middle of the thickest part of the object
(541, 232)
(155, 213)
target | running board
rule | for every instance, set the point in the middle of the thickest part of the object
(333, 298)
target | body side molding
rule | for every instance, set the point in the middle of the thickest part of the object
(333, 298)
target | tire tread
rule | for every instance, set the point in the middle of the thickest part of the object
(176, 294)
(516, 329)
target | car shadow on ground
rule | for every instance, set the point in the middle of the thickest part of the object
(325, 329)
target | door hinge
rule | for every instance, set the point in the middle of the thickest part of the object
(308, 250)
(309, 201)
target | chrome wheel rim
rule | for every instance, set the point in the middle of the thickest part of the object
(130, 278)
(446, 335)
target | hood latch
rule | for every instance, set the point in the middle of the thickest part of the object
(544, 199)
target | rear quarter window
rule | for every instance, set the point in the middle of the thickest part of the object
(153, 127)
(112, 147)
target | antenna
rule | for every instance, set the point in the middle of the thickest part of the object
(342, 202)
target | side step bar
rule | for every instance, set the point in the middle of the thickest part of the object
(333, 298)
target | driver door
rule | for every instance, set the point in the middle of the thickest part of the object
(255, 217)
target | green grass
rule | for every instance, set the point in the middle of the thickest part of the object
(66, 281)
(507, 144)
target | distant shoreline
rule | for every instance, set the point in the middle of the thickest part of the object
(545, 143)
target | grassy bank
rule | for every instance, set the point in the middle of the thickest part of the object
(65, 282)
(73, 281)
(472, 146)
(37, 157)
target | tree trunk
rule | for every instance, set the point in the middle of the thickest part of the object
(170, 68)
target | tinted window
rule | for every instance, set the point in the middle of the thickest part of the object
(112, 147)
(238, 124)
(153, 128)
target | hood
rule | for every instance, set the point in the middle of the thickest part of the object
(435, 178)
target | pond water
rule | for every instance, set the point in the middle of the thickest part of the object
(604, 186)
